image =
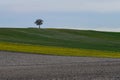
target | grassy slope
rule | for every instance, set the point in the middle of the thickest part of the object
(77, 39)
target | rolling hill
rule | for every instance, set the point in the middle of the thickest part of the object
(65, 38)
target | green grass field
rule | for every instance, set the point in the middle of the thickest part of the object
(61, 42)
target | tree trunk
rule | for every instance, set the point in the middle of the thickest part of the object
(39, 26)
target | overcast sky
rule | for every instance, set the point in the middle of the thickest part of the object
(81, 14)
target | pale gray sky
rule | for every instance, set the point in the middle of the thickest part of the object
(94, 14)
(61, 5)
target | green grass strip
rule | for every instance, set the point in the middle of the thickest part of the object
(51, 50)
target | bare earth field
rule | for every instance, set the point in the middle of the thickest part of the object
(21, 66)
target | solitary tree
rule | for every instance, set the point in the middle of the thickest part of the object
(39, 22)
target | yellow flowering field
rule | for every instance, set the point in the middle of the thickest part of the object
(50, 50)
